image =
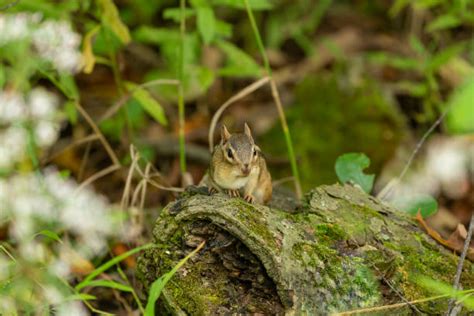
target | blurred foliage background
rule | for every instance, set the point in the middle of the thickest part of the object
(82, 80)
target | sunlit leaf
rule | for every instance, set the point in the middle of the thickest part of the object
(155, 35)
(88, 58)
(444, 56)
(239, 63)
(442, 22)
(460, 119)
(417, 45)
(438, 287)
(425, 204)
(174, 14)
(71, 112)
(223, 28)
(206, 23)
(349, 168)
(239, 4)
(50, 234)
(80, 297)
(149, 104)
(397, 7)
(158, 286)
(110, 284)
(111, 19)
(110, 264)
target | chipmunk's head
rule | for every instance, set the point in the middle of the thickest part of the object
(239, 149)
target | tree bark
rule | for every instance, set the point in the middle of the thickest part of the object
(341, 249)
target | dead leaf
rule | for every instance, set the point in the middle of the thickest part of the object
(454, 242)
(119, 249)
(78, 264)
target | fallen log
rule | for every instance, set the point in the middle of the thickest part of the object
(341, 249)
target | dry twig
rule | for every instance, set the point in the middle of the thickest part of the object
(241, 94)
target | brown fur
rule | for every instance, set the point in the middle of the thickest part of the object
(244, 173)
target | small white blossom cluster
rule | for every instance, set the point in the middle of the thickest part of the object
(39, 110)
(31, 203)
(54, 41)
(445, 169)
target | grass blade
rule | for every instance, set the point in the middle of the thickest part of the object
(109, 264)
(158, 286)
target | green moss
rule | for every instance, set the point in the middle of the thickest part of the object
(247, 214)
(349, 280)
(330, 232)
(184, 290)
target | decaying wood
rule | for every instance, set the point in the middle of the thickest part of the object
(337, 251)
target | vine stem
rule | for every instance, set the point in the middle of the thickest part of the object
(276, 97)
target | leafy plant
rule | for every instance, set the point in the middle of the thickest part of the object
(463, 297)
(460, 119)
(349, 168)
(424, 204)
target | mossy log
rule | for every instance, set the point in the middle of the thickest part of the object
(341, 249)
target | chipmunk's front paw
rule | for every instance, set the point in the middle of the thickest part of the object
(233, 193)
(249, 198)
(212, 190)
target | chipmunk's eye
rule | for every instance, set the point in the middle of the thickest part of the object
(229, 154)
(255, 152)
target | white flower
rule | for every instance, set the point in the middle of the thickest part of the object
(12, 107)
(52, 294)
(12, 146)
(16, 26)
(31, 201)
(72, 308)
(46, 133)
(56, 42)
(42, 103)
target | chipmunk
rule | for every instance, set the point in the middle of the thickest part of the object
(237, 166)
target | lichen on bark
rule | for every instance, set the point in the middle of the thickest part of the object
(340, 250)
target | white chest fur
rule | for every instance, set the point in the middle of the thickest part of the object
(232, 179)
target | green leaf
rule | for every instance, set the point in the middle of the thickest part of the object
(158, 286)
(155, 35)
(71, 112)
(50, 234)
(111, 19)
(109, 264)
(69, 86)
(416, 89)
(223, 29)
(460, 119)
(239, 63)
(174, 14)
(239, 4)
(464, 297)
(349, 168)
(110, 284)
(206, 23)
(149, 104)
(423, 203)
(442, 22)
(80, 297)
(397, 7)
(417, 45)
(441, 58)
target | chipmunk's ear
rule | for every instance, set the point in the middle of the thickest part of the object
(225, 135)
(248, 132)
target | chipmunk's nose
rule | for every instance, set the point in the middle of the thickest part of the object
(245, 169)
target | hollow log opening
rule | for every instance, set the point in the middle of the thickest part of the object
(232, 279)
